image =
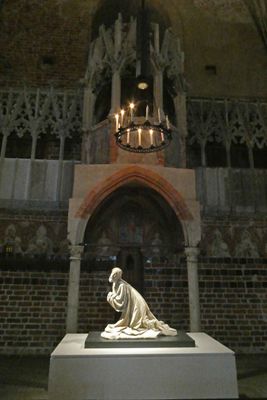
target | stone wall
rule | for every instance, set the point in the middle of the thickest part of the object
(232, 191)
(41, 181)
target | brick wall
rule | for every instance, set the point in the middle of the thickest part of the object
(165, 290)
(32, 310)
(232, 297)
(44, 42)
(234, 302)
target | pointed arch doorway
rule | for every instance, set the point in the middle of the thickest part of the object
(132, 228)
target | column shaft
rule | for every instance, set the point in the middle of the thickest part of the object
(116, 92)
(73, 289)
(193, 288)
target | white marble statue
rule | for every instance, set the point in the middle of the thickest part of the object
(137, 321)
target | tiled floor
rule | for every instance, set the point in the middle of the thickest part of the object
(25, 378)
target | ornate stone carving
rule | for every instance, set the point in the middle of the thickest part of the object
(219, 248)
(113, 49)
(192, 254)
(246, 248)
(12, 240)
(40, 244)
(35, 112)
(227, 121)
(76, 252)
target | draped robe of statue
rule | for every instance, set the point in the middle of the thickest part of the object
(137, 321)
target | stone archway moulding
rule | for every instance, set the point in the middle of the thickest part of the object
(129, 175)
(185, 206)
(139, 175)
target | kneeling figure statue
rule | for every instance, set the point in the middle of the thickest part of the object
(137, 321)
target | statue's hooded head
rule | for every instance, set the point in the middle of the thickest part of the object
(116, 274)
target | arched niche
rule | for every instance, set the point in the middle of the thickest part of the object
(135, 228)
(132, 226)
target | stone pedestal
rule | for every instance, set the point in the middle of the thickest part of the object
(206, 371)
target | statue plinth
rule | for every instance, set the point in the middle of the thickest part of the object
(95, 341)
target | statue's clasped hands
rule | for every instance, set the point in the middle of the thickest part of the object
(109, 296)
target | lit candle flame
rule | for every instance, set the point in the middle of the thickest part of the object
(131, 110)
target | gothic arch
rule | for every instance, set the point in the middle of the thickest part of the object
(140, 176)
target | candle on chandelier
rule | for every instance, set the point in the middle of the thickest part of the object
(159, 115)
(128, 136)
(139, 137)
(131, 110)
(147, 111)
(162, 136)
(122, 115)
(117, 121)
(167, 122)
(151, 136)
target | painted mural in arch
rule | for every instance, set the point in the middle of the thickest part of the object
(133, 224)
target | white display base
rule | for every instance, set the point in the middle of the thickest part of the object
(207, 371)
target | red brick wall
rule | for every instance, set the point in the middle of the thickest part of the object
(232, 296)
(44, 42)
(32, 310)
(165, 290)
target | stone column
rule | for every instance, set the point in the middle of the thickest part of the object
(115, 92)
(73, 289)
(89, 99)
(158, 91)
(193, 290)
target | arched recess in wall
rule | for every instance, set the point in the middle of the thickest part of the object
(135, 228)
(135, 217)
(18, 147)
(103, 100)
(144, 177)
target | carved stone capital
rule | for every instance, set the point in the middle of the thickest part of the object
(76, 252)
(192, 253)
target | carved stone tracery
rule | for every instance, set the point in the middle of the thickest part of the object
(227, 122)
(38, 111)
